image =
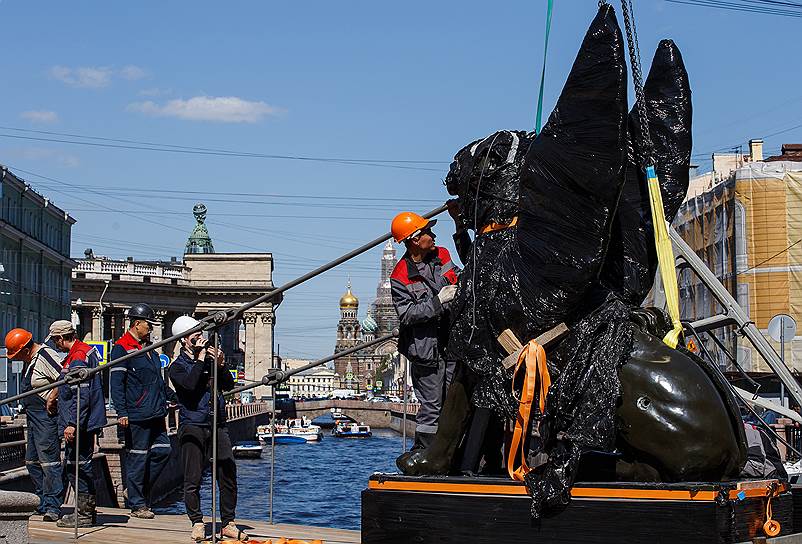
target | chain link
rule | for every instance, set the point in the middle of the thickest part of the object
(628, 13)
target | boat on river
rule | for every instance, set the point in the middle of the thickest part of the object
(249, 449)
(352, 430)
(330, 420)
(290, 431)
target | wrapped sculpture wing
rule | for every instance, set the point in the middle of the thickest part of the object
(631, 261)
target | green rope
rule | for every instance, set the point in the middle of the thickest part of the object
(543, 73)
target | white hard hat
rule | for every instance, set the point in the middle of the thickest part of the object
(183, 324)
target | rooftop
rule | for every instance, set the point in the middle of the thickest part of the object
(789, 152)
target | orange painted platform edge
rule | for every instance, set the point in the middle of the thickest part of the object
(577, 492)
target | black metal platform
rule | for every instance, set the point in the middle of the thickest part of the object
(399, 509)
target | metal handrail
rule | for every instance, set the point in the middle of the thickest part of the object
(277, 376)
(214, 320)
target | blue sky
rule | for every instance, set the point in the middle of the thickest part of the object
(351, 80)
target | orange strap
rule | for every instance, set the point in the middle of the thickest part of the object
(490, 227)
(533, 359)
(772, 527)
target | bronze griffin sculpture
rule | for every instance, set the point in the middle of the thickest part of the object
(579, 250)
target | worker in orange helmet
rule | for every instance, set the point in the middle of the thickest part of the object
(423, 283)
(43, 451)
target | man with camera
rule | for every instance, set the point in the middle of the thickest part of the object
(140, 398)
(191, 374)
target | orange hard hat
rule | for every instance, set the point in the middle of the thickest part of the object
(16, 339)
(406, 224)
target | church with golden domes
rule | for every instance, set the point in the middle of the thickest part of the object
(374, 368)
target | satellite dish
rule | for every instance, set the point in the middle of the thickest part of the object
(782, 328)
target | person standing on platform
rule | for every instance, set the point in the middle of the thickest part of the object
(422, 284)
(43, 451)
(82, 426)
(191, 374)
(140, 398)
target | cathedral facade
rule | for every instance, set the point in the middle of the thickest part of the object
(373, 368)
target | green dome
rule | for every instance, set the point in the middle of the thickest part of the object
(369, 325)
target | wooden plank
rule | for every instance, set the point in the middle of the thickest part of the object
(115, 525)
(513, 346)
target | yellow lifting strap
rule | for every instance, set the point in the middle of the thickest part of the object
(665, 257)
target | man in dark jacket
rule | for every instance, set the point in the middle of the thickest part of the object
(140, 398)
(423, 283)
(191, 374)
(82, 425)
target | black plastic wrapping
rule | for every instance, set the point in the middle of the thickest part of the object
(533, 277)
(488, 299)
(564, 186)
(572, 180)
(631, 261)
(582, 400)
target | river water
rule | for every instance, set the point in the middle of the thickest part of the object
(317, 483)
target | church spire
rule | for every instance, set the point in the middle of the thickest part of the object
(199, 241)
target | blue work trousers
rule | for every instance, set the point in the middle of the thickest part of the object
(43, 459)
(86, 475)
(147, 452)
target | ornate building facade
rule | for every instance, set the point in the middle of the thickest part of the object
(35, 263)
(373, 368)
(203, 283)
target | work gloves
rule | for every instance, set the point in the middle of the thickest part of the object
(447, 294)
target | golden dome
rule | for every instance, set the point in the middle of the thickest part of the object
(348, 300)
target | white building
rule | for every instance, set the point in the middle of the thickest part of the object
(315, 382)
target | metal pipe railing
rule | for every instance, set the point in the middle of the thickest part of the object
(212, 321)
(277, 376)
(216, 370)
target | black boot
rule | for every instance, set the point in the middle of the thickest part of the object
(437, 455)
(422, 441)
(86, 513)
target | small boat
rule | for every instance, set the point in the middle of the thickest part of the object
(352, 430)
(289, 439)
(303, 427)
(249, 449)
(330, 420)
(291, 432)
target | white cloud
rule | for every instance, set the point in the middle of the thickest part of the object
(133, 73)
(40, 116)
(90, 77)
(42, 154)
(221, 109)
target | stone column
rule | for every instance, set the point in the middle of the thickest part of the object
(250, 347)
(97, 330)
(263, 349)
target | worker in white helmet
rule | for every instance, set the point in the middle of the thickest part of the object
(191, 374)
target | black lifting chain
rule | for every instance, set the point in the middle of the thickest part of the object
(628, 13)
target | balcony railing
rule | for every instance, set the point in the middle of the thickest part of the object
(131, 268)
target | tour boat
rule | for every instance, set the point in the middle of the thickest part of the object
(250, 449)
(303, 427)
(290, 431)
(330, 420)
(352, 430)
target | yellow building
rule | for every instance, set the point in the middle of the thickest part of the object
(747, 227)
